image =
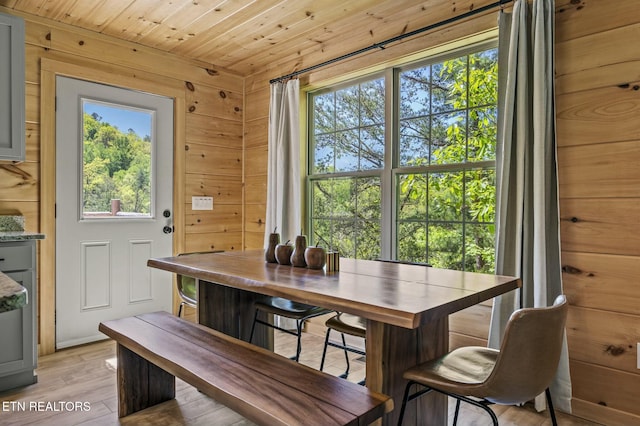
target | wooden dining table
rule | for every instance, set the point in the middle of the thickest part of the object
(406, 308)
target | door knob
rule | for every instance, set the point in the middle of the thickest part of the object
(167, 229)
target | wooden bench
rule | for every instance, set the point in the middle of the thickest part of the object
(264, 387)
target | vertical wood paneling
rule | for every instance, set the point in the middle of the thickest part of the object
(600, 225)
(457, 340)
(580, 18)
(223, 218)
(593, 340)
(598, 107)
(219, 131)
(224, 190)
(214, 102)
(600, 281)
(257, 101)
(609, 170)
(609, 114)
(255, 190)
(607, 387)
(208, 241)
(602, 414)
(600, 49)
(256, 133)
(213, 160)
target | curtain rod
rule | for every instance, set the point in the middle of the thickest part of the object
(382, 44)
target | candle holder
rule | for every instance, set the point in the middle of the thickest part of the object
(332, 261)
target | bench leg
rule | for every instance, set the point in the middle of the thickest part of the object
(141, 384)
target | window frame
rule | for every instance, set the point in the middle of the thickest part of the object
(388, 175)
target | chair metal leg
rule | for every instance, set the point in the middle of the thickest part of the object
(346, 350)
(455, 416)
(481, 404)
(299, 346)
(405, 399)
(253, 326)
(346, 355)
(297, 333)
(324, 350)
(552, 412)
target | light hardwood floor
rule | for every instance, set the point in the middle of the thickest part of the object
(77, 386)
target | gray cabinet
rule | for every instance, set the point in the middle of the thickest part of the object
(18, 348)
(12, 87)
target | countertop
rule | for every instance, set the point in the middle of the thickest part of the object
(12, 295)
(20, 236)
(12, 229)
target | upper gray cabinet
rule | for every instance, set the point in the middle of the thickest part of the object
(12, 110)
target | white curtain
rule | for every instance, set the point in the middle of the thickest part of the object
(283, 170)
(527, 226)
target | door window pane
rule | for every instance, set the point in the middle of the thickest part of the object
(117, 161)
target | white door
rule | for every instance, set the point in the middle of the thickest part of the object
(114, 177)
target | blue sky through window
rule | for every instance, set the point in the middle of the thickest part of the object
(122, 117)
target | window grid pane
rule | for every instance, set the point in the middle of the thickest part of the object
(446, 130)
(346, 215)
(349, 128)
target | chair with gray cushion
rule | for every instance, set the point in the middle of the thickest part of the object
(523, 368)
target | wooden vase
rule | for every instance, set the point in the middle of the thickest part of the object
(283, 253)
(270, 253)
(297, 257)
(315, 257)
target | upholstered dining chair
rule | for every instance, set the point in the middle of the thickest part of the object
(187, 286)
(286, 308)
(523, 368)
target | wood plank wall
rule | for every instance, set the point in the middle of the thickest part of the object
(208, 161)
(598, 123)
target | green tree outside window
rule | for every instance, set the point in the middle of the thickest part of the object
(444, 145)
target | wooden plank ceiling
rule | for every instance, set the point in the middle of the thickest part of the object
(249, 36)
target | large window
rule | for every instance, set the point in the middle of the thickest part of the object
(402, 163)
